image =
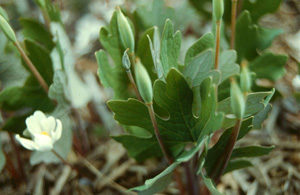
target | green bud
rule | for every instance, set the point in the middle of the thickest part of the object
(245, 79)
(3, 13)
(126, 61)
(125, 31)
(143, 82)
(218, 9)
(237, 100)
(8, 31)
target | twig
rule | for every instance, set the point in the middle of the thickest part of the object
(233, 22)
(63, 160)
(61, 181)
(107, 180)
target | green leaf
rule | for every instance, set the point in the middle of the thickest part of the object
(41, 59)
(259, 8)
(263, 114)
(170, 47)
(199, 68)
(254, 103)
(251, 38)
(34, 30)
(176, 98)
(28, 96)
(269, 66)
(144, 53)
(153, 15)
(3, 13)
(12, 73)
(15, 124)
(251, 151)
(155, 53)
(7, 30)
(237, 164)
(228, 66)
(109, 38)
(203, 43)
(214, 154)
(58, 89)
(162, 180)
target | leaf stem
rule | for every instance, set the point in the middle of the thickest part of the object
(192, 180)
(129, 74)
(63, 160)
(218, 35)
(163, 147)
(228, 150)
(233, 22)
(32, 68)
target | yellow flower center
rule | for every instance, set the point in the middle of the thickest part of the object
(45, 133)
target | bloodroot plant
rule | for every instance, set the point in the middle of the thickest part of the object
(191, 113)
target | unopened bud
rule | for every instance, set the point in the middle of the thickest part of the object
(8, 31)
(237, 100)
(218, 9)
(125, 31)
(143, 81)
(245, 79)
(126, 61)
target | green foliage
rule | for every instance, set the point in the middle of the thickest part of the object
(175, 97)
(36, 31)
(7, 30)
(162, 180)
(269, 66)
(170, 47)
(251, 38)
(109, 38)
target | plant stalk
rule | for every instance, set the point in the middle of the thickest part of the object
(233, 22)
(228, 150)
(129, 74)
(218, 37)
(192, 181)
(32, 68)
(163, 148)
(62, 159)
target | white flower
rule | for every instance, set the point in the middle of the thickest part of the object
(44, 131)
(296, 83)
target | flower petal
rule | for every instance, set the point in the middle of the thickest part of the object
(43, 142)
(27, 143)
(48, 124)
(56, 134)
(33, 122)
